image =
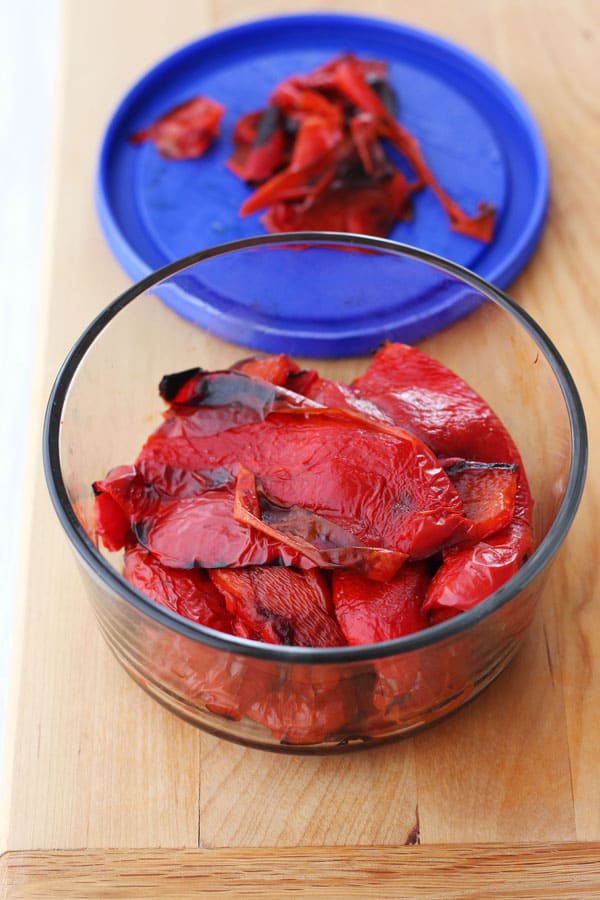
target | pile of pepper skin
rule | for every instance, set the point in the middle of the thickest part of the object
(317, 155)
(278, 506)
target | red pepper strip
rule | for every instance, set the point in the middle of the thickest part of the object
(370, 612)
(112, 524)
(314, 138)
(365, 134)
(294, 184)
(186, 131)
(352, 84)
(488, 492)
(327, 545)
(420, 394)
(424, 396)
(383, 486)
(280, 606)
(189, 593)
(357, 209)
(469, 575)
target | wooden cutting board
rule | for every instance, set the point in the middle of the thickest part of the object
(111, 796)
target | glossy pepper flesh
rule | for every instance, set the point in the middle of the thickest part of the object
(387, 505)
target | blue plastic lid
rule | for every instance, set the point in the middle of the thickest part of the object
(474, 130)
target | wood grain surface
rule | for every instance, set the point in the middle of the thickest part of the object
(94, 763)
(481, 872)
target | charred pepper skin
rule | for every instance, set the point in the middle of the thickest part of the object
(317, 156)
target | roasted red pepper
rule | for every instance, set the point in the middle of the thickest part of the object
(186, 131)
(278, 506)
(378, 481)
(313, 537)
(422, 395)
(189, 593)
(370, 612)
(279, 606)
(488, 492)
(266, 476)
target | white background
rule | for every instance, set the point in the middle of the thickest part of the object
(29, 32)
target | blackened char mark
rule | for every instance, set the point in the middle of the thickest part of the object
(463, 464)
(268, 124)
(386, 94)
(170, 385)
(281, 626)
(227, 388)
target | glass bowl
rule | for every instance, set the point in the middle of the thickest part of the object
(105, 403)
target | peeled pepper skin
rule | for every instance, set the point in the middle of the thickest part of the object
(317, 158)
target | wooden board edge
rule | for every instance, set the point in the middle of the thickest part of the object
(549, 870)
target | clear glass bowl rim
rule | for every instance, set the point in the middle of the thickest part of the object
(107, 576)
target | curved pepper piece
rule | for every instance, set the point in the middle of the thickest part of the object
(421, 394)
(201, 531)
(189, 593)
(488, 492)
(468, 575)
